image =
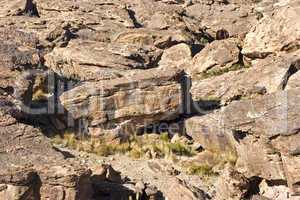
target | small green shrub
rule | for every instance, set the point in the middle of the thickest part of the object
(180, 149)
(201, 170)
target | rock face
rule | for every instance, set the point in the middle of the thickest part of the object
(261, 41)
(178, 190)
(232, 185)
(117, 67)
(208, 130)
(267, 76)
(259, 126)
(89, 60)
(236, 19)
(32, 169)
(152, 94)
(216, 57)
(177, 55)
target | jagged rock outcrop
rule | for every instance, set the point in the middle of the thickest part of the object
(232, 185)
(126, 64)
(139, 99)
(217, 57)
(265, 76)
(264, 129)
(236, 19)
(32, 169)
(92, 61)
(284, 21)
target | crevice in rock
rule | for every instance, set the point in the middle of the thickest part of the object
(31, 9)
(44, 109)
(253, 187)
(6, 91)
(131, 14)
(239, 135)
(66, 154)
(276, 182)
(296, 185)
(196, 48)
(294, 67)
(189, 106)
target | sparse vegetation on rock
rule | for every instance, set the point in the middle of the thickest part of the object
(149, 100)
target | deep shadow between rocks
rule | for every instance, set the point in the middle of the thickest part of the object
(30, 9)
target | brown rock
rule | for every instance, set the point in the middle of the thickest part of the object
(215, 57)
(231, 185)
(267, 76)
(237, 20)
(261, 40)
(152, 94)
(209, 132)
(177, 55)
(160, 39)
(179, 190)
(271, 190)
(88, 60)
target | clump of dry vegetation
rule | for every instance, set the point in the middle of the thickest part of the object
(205, 164)
(148, 146)
(210, 163)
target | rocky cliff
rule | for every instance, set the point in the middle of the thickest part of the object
(187, 99)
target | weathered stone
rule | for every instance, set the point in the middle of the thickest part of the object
(179, 190)
(152, 94)
(271, 190)
(161, 39)
(237, 20)
(157, 14)
(36, 164)
(216, 57)
(209, 132)
(272, 117)
(88, 60)
(231, 185)
(267, 76)
(15, 192)
(284, 22)
(291, 166)
(265, 163)
(177, 55)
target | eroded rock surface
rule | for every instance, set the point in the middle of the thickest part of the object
(115, 67)
(265, 76)
(261, 40)
(152, 94)
(260, 130)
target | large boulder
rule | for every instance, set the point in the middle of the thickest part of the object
(208, 131)
(142, 98)
(89, 60)
(269, 122)
(217, 57)
(265, 76)
(25, 156)
(275, 33)
(265, 132)
(231, 185)
(177, 55)
(179, 190)
(235, 19)
(157, 14)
